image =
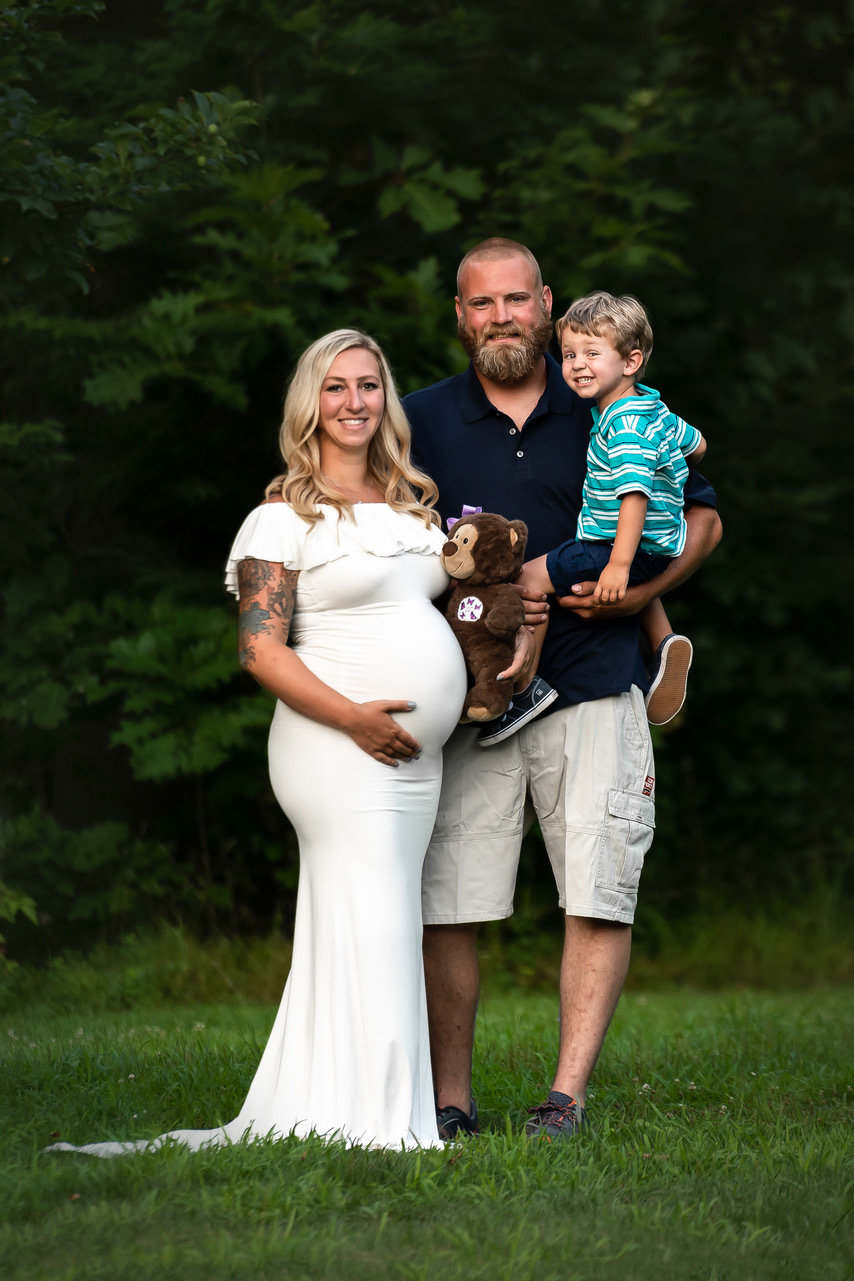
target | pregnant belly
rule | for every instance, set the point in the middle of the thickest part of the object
(398, 651)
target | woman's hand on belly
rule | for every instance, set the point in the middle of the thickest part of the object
(374, 730)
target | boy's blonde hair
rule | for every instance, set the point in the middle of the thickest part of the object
(623, 321)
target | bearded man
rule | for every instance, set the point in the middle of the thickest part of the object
(509, 436)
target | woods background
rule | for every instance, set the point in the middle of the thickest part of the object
(191, 191)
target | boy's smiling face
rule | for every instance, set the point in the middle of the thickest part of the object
(594, 369)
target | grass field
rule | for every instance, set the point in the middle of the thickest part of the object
(721, 1146)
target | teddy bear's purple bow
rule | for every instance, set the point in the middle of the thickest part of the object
(467, 511)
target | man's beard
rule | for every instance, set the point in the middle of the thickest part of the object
(506, 363)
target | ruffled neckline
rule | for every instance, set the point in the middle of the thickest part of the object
(274, 532)
(374, 527)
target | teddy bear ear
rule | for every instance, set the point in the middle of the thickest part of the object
(520, 530)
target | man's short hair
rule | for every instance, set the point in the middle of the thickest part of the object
(495, 248)
(623, 321)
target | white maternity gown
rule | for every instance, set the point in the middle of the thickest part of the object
(348, 1057)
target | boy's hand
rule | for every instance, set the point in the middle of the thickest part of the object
(611, 587)
(583, 606)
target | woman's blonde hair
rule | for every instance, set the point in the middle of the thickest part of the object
(405, 488)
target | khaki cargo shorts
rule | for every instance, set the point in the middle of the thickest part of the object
(589, 775)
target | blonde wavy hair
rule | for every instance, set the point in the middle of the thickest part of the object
(390, 467)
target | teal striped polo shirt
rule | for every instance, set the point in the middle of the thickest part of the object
(637, 446)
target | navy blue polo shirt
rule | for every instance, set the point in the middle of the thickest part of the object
(477, 456)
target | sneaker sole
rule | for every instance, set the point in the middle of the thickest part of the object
(667, 692)
(499, 736)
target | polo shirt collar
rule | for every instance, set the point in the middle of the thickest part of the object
(645, 405)
(556, 399)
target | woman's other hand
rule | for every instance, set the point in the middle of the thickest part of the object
(372, 727)
(524, 663)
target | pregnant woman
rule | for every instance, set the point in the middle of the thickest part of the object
(335, 583)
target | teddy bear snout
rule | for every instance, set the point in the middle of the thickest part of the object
(457, 563)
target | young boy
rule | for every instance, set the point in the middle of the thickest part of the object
(631, 521)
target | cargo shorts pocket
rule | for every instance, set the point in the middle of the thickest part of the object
(629, 827)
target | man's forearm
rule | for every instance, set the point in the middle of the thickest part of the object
(704, 534)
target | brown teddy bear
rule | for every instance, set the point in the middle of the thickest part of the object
(484, 553)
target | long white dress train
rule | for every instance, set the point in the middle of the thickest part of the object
(348, 1056)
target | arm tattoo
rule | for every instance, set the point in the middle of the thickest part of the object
(267, 598)
(281, 599)
(253, 576)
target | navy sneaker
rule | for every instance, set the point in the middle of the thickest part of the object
(453, 1123)
(534, 698)
(560, 1117)
(668, 686)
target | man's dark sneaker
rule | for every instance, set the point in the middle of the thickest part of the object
(533, 699)
(453, 1123)
(560, 1117)
(668, 682)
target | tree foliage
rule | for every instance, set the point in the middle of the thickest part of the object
(194, 189)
